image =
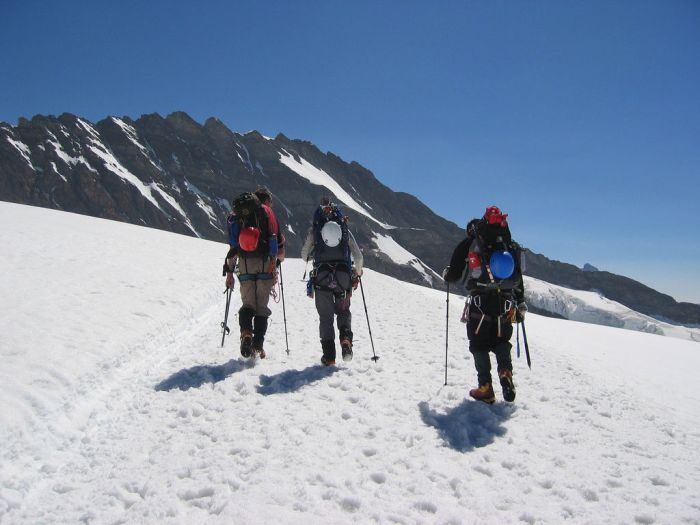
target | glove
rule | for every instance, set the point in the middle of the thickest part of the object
(230, 281)
(522, 310)
(355, 280)
(444, 272)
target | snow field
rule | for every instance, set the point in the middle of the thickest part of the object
(120, 406)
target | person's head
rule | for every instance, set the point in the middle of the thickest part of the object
(493, 215)
(326, 205)
(264, 195)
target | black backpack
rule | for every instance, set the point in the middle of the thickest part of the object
(341, 252)
(249, 213)
(488, 239)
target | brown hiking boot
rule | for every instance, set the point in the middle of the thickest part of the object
(246, 343)
(260, 353)
(327, 361)
(483, 393)
(506, 378)
(346, 346)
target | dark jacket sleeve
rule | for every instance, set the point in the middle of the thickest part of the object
(458, 261)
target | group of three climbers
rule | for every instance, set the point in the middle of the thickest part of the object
(487, 263)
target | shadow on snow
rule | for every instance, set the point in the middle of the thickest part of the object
(470, 425)
(198, 375)
(293, 380)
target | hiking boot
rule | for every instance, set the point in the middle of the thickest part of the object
(483, 393)
(506, 378)
(346, 346)
(246, 343)
(259, 352)
(328, 346)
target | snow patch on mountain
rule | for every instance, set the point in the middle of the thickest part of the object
(23, 150)
(398, 254)
(175, 205)
(133, 136)
(67, 159)
(319, 177)
(201, 202)
(55, 169)
(116, 167)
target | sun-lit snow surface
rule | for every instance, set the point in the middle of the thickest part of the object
(321, 178)
(119, 406)
(591, 307)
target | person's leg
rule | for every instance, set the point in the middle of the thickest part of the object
(344, 321)
(325, 306)
(505, 368)
(259, 331)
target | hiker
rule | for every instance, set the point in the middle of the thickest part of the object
(256, 249)
(333, 277)
(488, 264)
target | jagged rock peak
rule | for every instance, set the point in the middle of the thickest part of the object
(181, 119)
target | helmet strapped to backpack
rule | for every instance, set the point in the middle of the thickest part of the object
(249, 228)
(493, 257)
(331, 234)
(248, 239)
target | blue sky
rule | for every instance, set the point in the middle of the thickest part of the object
(579, 118)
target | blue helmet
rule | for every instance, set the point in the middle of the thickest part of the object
(502, 264)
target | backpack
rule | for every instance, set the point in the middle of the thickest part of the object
(249, 217)
(323, 252)
(487, 240)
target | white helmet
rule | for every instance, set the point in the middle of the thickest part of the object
(331, 233)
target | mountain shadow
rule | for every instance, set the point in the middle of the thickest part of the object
(293, 380)
(198, 375)
(469, 425)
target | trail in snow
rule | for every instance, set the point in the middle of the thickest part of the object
(126, 409)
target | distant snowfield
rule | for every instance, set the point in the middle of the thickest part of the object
(591, 307)
(119, 406)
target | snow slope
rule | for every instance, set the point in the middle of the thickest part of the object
(120, 406)
(592, 307)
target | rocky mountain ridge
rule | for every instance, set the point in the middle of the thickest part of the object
(178, 175)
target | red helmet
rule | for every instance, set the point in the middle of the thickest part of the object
(494, 216)
(248, 239)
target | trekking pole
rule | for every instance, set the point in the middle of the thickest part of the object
(284, 311)
(527, 350)
(376, 357)
(447, 324)
(224, 326)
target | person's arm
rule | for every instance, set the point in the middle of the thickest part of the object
(458, 261)
(356, 254)
(308, 248)
(273, 231)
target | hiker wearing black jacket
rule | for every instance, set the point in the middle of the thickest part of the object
(488, 264)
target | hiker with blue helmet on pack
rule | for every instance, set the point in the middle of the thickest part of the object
(337, 267)
(489, 264)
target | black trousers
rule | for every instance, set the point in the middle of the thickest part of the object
(488, 331)
(332, 291)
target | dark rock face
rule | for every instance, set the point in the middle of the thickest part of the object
(178, 175)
